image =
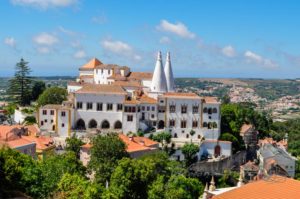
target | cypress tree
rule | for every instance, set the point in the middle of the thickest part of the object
(20, 85)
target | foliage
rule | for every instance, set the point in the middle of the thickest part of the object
(20, 84)
(106, 152)
(55, 166)
(73, 186)
(138, 178)
(228, 179)
(10, 110)
(29, 120)
(163, 138)
(189, 151)
(52, 95)
(73, 144)
(37, 89)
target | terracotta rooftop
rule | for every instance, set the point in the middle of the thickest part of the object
(147, 100)
(86, 76)
(181, 95)
(274, 187)
(91, 64)
(210, 100)
(245, 128)
(101, 89)
(18, 143)
(137, 143)
(140, 76)
(127, 83)
(250, 166)
(41, 142)
(7, 131)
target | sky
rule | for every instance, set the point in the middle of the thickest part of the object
(206, 38)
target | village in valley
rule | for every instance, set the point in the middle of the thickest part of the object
(149, 113)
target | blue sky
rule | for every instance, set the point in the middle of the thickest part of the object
(209, 38)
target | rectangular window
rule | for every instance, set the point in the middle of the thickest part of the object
(79, 105)
(183, 124)
(62, 125)
(89, 105)
(129, 118)
(51, 121)
(109, 107)
(153, 108)
(172, 123)
(183, 108)
(52, 112)
(63, 114)
(148, 108)
(152, 116)
(195, 109)
(119, 107)
(143, 108)
(42, 123)
(99, 106)
(195, 124)
(44, 112)
(172, 108)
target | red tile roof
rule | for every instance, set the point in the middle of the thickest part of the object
(274, 187)
(245, 128)
(140, 76)
(91, 64)
(181, 95)
(210, 100)
(137, 143)
(101, 89)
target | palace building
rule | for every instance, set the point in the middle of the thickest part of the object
(112, 98)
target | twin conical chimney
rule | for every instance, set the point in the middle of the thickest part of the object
(159, 83)
(169, 74)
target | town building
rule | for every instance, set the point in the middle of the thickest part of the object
(276, 160)
(135, 146)
(112, 98)
(25, 139)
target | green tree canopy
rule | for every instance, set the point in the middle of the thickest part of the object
(52, 95)
(73, 144)
(20, 84)
(189, 151)
(37, 89)
(107, 150)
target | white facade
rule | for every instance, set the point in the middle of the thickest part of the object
(123, 101)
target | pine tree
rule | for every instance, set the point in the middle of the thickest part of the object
(20, 85)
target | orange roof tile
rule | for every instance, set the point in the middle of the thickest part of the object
(127, 83)
(181, 95)
(18, 143)
(86, 76)
(137, 143)
(210, 100)
(91, 64)
(245, 128)
(140, 76)
(274, 187)
(101, 89)
(147, 100)
(41, 142)
(86, 146)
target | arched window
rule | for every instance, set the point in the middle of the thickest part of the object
(209, 111)
(199, 136)
(217, 151)
(205, 110)
(175, 135)
(205, 124)
(187, 135)
(105, 125)
(214, 125)
(80, 124)
(161, 124)
(215, 110)
(92, 124)
(118, 125)
(210, 125)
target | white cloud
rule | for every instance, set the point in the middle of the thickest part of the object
(10, 41)
(179, 29)
(80, 54)
(45, 39)
(120, 48)
(258, 59)
(228, 51)
(116, 46)
(165, 40)
(44, 4)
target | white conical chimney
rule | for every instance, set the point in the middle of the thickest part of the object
(159, 83)
(169, 74)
